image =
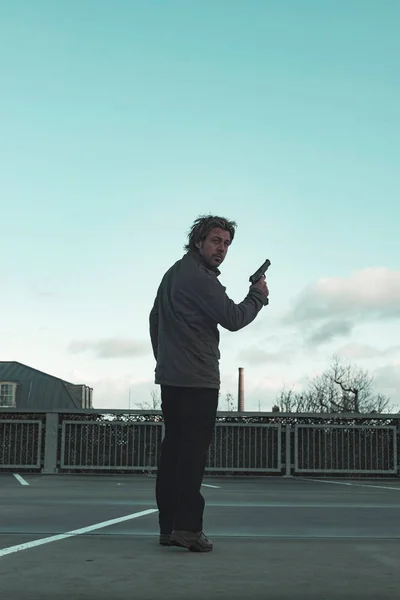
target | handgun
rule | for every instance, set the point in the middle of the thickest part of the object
(260, 272)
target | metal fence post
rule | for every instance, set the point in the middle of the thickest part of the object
(51, 444)
(288, 433)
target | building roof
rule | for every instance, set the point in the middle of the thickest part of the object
(37, 389)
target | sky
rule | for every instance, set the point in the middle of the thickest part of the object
(121, 122)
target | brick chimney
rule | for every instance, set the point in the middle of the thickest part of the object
(241, 390)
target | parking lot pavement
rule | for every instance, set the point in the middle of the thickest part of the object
(80, 536)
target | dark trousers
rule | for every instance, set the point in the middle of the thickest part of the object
(189, 419)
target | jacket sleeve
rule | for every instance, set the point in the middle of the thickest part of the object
(153, 323)
(208, 295)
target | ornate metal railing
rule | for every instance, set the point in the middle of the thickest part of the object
(262, 443)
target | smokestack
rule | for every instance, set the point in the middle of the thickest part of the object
(241, 390)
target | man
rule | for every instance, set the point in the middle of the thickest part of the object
(189, 306)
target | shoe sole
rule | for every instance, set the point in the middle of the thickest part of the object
(165, 541)
(192, 546)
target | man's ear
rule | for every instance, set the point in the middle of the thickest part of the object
(198, 244)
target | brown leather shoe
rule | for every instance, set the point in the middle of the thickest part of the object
(165, 539)
(195, 542)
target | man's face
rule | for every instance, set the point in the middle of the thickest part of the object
(214, 248)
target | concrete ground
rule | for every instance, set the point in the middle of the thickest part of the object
(96, 537)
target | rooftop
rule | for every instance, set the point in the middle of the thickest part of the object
(88, 536)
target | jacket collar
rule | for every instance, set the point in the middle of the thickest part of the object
(200, 260)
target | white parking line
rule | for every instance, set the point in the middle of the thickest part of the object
(367, 485)
(83, 530)
(20, 479)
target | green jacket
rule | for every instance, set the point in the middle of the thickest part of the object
(189, 306)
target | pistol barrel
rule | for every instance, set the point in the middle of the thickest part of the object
(260, 272)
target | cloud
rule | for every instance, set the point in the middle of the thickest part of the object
(111, 347)
(122, 392)
(332, 307)
(373, 292)
(125, 390)
(258, 356)
(328, 331)
(387, 381)
(364, 351)
(40, 291)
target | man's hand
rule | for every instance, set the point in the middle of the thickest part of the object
(262, 286)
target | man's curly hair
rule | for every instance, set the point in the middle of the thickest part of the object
(202, 227)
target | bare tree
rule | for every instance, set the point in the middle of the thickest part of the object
(341, 388)
(230, 402)
(153, 404)
(288, 401)
(291, 401)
